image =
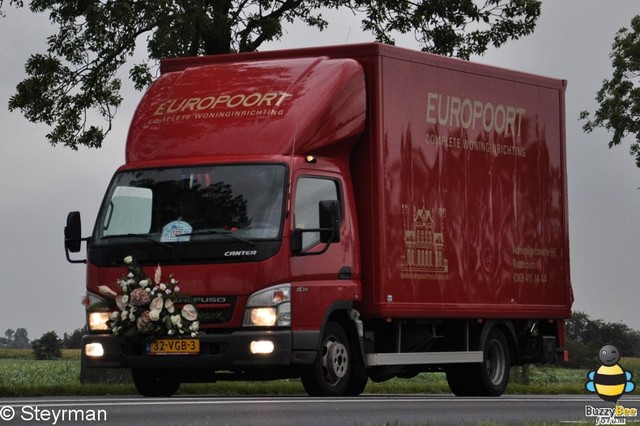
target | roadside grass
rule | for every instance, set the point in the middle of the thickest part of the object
(23, 376)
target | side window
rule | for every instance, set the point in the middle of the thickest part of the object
(309, 192)
(129, 211)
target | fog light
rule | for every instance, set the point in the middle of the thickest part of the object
(94, 350)
(261, 347)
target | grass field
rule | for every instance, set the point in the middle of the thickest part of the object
(21, 375)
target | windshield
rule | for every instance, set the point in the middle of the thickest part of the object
(195, 203)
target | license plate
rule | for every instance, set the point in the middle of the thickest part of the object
(174, 347)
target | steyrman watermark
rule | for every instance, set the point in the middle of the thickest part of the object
(52, 416)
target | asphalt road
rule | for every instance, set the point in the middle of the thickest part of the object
(363, 410)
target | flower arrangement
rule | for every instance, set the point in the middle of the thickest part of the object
(149, 308)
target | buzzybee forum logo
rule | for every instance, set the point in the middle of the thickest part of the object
(610, 382)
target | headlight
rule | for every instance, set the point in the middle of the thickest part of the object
(270, 307)
(98, 312)
(98, 321)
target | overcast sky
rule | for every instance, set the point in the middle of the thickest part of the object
(40, 184)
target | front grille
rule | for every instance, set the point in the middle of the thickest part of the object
(214, 311)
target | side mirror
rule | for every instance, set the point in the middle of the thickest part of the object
(329, 213)
(73, 236)
(329, 230)
(73, 232)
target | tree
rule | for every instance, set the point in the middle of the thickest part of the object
(585, 337)
(49, 346)
(20, 338)
(78, 75)
(17, 3)
(74, 340)
(619, 97)
(8, 337)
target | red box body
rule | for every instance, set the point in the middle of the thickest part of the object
(461, 190)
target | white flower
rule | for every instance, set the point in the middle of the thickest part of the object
(170, 332)
(189, 313)
(106, 291)
(120, 303)
(115, 315)
(154, 315)
(122, 284)
(156, 304)
(132, 317)
(168, 305)
(176, 320)
(194, 326)
(124, 315)
(158, 275)
(130, 275)
(167, 291)
(125, 299)
(128, 260)
(144, 283)
(194, 334)
(162, 287)
(176, 289)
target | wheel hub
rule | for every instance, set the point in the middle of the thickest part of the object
(337, 360)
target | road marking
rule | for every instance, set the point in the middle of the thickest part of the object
(224, 400)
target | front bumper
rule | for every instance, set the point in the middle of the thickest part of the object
(217, 352)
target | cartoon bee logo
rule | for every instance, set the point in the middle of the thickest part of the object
(610, 381)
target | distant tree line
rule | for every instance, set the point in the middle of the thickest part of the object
(48, 346)
(585, 336)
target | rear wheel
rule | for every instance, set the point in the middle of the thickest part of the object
(331, 374)
(154, 383)
(463, 379)
(490, 378)
(494, 374)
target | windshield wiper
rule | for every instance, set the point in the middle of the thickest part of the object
(147, 238)
(224, 233)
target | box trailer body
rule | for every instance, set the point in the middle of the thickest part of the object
(409, 210)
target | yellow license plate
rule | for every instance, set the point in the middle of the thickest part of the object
(174, 347)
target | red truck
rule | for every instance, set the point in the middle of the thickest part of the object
(337, 214)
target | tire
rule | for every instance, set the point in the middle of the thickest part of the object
(154, 383)
(463, 379)
(490, 378)
(496, 365)
(359, 378)
(331, 374)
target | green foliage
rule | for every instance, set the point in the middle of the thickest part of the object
(76, 82)
(619, 96)
(18, 338)
(21, 376)
(49, 346)
(17, 3)
(586, 336)
(74, 340)
(441, 26)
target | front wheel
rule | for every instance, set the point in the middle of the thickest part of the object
(154, 383)
(331, 372)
